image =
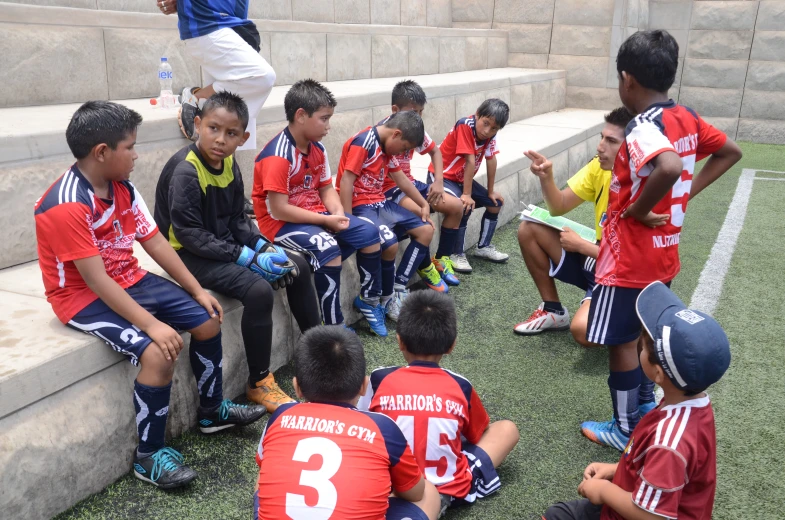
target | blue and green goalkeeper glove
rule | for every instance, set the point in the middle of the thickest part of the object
(270, 262)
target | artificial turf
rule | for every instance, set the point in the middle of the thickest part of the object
(548, 385)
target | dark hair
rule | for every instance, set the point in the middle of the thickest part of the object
(308, 94)
(620, 117)
(427, 324)
(495, 108)
(410, 124)
(408, 92)
(654, 360)
(229, 102)
(329, 364)
(97, 122)
(651, 57)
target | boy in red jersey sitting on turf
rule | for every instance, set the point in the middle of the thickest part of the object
(323, 458)
(439, 411)
(669, 467)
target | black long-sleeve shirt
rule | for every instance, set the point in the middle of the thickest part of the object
(200, 209)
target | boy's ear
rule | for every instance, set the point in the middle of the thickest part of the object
(452, 347)
(297, 389)
(397, 134)
(395, 109)
(300, 115)
(364, 388)
(246, 135)
(401, 346)
(197, 121)
(99, 152)
(627, 80)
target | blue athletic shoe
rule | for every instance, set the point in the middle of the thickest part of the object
(605, 434)
(645, 408)
(446, 270)
(374, 316)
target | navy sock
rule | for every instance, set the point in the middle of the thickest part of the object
(327, 280)
(152, 408)
(370, 269)
(460, 240)
(646, 394)
(487, 228)
(412, 257)
(426, 260)
(207, 365)
(446, 242)
(388, 277)
(624, 388)
(555, 307)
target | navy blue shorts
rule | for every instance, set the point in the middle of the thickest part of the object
(575, 269)
(613, 319)
(321, 245)
(165, 300)
(580, 509)
(485, 479)
(479, 193)
(396, 194)
(391, 219)
(397, 509)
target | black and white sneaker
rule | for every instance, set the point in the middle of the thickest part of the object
(189, 109)
(163, 469)
(228, 415)
(248, 208)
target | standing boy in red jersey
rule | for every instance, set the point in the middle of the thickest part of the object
(652, 178)
(669, 467)
(323, 458)
(439, 412)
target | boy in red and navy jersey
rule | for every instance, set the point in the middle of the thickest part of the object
(651, 185)
(297, 207)
(439, 411)
(86, 225)
(471, 140)
(366, 160)
(324, 458)
(669, 466)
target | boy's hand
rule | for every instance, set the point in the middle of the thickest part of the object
(435, 193)
(167, 339)
(496, 197)
(651, 220)
(210, 304)
(570, 240)
(599, 470)
(593, 489)
(336, 223)
(425, 214)
(541, 166)
(468, 203)
(167, 6)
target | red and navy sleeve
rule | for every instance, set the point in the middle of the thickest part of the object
(404, 471)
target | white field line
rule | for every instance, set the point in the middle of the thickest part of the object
(769, 179)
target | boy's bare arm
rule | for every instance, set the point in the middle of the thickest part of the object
(347, 190)
(331, 200)
(414, 494)
(436, 191)
(468, 174)
(282, 210)
(93, 272)
(667, 170)
(720, 161)
(600, 491)
(166, 257)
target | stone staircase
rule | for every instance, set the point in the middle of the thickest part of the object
(107, 49)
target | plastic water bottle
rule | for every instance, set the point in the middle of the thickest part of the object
(165, 78)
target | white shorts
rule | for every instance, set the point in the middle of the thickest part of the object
(229, 63)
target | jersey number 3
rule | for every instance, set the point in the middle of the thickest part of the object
(319, 479)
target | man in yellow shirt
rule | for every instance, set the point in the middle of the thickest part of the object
(550, 254)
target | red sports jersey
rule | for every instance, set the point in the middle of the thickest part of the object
(462, 140)
(434, 408)
(670, 463)
(632, 254)
(405, 159)
(72, 223)
(363, 156)
(330, 460)
(282, 168)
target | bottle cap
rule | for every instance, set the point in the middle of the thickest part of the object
(163, 59)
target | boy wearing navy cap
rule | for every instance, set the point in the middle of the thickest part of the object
(669, 467)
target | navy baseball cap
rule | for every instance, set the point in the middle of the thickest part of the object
(692, 348)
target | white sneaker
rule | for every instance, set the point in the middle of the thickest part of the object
(460, 264)
(491, 254)
(540, 321)
(393, 306)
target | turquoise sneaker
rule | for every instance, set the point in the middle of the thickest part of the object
(605, 434)
(163, 469)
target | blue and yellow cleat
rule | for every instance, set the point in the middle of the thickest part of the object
(430, 275)
(645, 408)
(373, 315)
(447, 270)
(605, 434)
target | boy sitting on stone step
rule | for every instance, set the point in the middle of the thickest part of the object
(86, 225)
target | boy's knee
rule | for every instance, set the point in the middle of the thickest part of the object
(302, 264)
(371, 248)
(578, 330)
(509, 430)
(424, 234)
(390, 252)
(153, 360)
(207, 330)
(260, 296)
(525, 231)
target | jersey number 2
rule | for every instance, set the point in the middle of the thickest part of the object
(319, 479)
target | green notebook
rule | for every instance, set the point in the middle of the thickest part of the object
(541, 216)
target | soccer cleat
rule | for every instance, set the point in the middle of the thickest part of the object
(605, 434)
(460, 264)
(392, 307)
(228, 415)
(163, 469)
(267, 393)
(373, 315)
(491, 254)
(447, 270)
(541, 320)
(189, 109)
(644, 408)
(430, 275)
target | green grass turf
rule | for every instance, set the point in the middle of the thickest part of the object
(548, 385)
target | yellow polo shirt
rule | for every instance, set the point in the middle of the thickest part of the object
(591, 184)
